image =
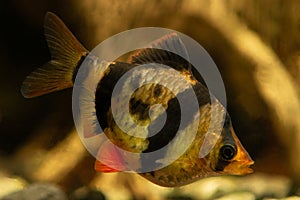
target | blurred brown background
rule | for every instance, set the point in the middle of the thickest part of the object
(254, 43)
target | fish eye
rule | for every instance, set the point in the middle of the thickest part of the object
(227, 152)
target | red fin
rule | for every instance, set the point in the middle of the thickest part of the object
(114, 162)
(100, 167)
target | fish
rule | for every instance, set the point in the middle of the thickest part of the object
(226, 157)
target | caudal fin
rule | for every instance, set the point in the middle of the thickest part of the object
(66, 55)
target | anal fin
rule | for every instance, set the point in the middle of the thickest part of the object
(109, 159)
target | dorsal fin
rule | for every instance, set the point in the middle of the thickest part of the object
(165, 50)
(66, 55)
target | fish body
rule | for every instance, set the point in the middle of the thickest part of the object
(227, 155)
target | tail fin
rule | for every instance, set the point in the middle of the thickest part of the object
(66, 55)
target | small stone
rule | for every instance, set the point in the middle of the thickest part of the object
(86, 193)
(265, 185)
(256, 185)
(38, 191)
(287, 198)
(10, 185)
(210, 188)
(180, 198)
(238, 196)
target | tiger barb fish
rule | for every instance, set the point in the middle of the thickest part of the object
(227, 157)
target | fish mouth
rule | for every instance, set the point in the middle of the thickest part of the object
(247, 167)
(239, 167)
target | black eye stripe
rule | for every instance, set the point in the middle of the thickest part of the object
(227, 121)
(105, 88)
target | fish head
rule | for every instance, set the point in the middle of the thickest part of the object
(229, 157)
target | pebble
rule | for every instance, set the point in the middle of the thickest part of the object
(255, 186)
(252, 187)
(11, 184)
(38, 191)
(238, 196)
(266, 185)
(287, 198)
(86, 193)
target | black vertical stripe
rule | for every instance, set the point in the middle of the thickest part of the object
(226, 138)
(77, 67)
(173, 122)
(105, 88)
(168, 132)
